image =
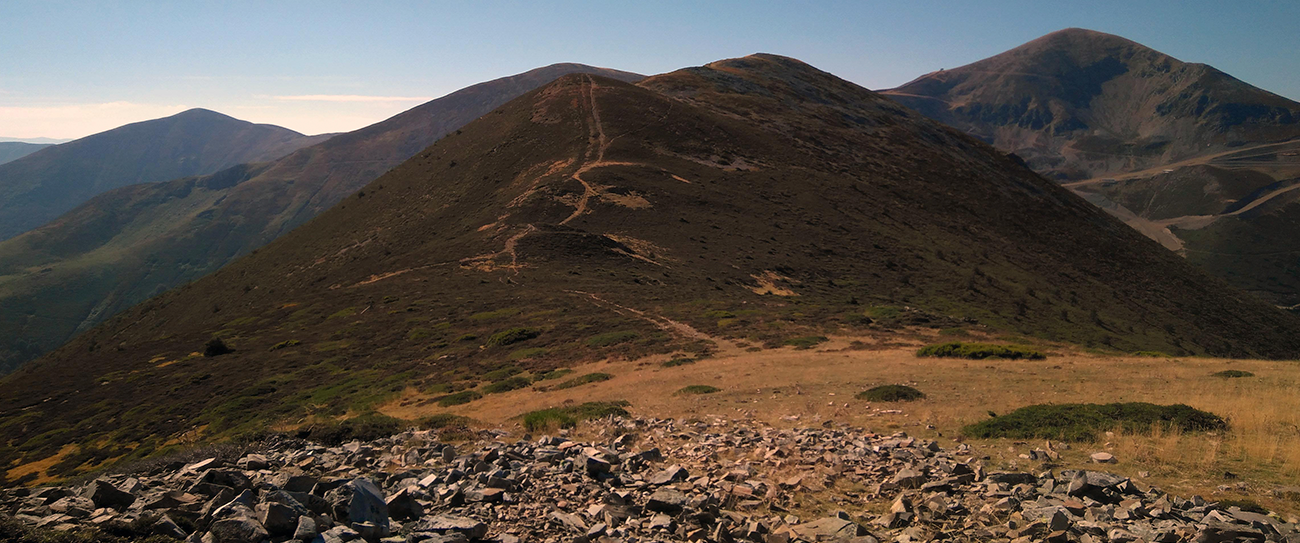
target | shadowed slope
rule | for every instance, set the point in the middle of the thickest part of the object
(14, 150)
(756, 197)
(138, 241)
(41, 186)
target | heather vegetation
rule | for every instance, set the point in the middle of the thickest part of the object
(890, 393)
(979, 351)
(1084, 422)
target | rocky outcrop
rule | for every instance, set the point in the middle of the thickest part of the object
(638, 480)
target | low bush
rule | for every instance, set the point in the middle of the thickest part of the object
(697, 389)
(1249, 506)
(458, 398)
(891, 393)
(512, 336)
(365, 427)
(443, 420)
(569, 416)
(584, 379)
(216, 347)
(554, 374)
(979, 351)
(506, 385)
(678, 362)
(1083, 422)
(611, 338)
(523, 354)
(1232, 374)
(500, 374)
(1152, 354)
(805, 342)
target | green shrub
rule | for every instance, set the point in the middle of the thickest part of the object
(467, 337)
(285, 344)
(979, 351)
(216, 347)
(891, 393)
(611, 338)
(512, 336)
(365, 427)
(697, 389)
(513, 383)
(954, 332)
(568, 416)
(554, 374)
(805, 342)
(719, 314)
(547, 419)
(345, 312)
(502, 373)
(1232, 374)
(418, 333)
(678, 362)
(443, 420)
(524, 354)
(1082, 422)
(458, 398)
(584, 379)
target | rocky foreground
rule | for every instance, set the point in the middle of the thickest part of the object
(639, 480)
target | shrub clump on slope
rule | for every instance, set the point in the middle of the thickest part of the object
(1082, 422)
(979, 351)
(568, 417)
(891, 393)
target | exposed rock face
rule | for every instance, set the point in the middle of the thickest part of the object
(407, 488)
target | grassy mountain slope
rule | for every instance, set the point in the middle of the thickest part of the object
(755, 197)
(1172, 148)
(127, 245)
(39, 187)
(14, 150)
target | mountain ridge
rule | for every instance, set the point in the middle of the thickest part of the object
(135, 242)
(758, 199)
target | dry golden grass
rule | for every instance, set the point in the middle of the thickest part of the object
(1262, 447)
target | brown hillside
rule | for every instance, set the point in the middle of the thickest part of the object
(136, 242)
(756, 197)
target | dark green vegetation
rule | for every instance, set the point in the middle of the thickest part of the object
(697, 389)
(891, 393)
(14, 531)
(979, 351)
(458, 398)
(568, 416)
(678, 361)
(1250, 506)
(14, 150)
(42, 186)
(513, 336)
(1233, 374)
(583, 380)
(805, 342)
(217, 347)
(366, 427)
(1147, 137)
(135, 242)
(506, 385)
(1083, 422)
(808, 202)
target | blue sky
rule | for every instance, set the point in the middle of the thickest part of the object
(69, 69)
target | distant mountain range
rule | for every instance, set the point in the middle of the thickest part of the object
(1201, 162)
(135, 242)
(757, 198)
(14, 150)
(41, 186)
(38, 141)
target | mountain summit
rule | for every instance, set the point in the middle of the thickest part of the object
(1078, 104)
(41, 186)
(758, 198)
